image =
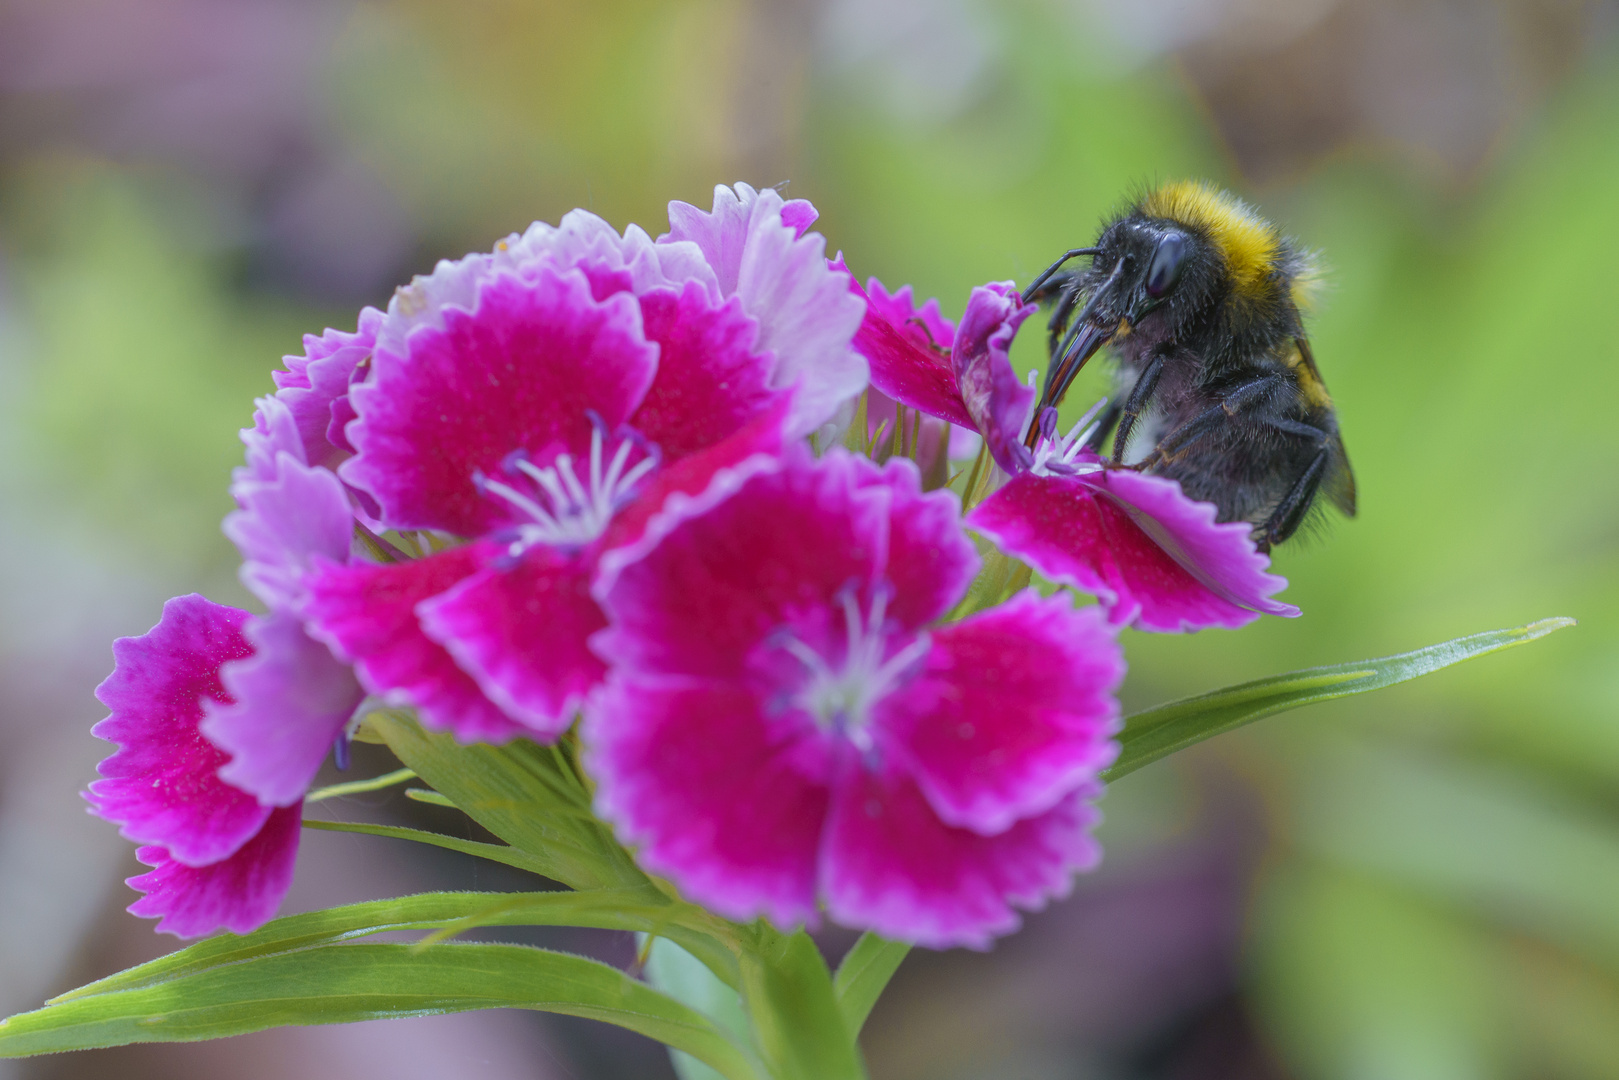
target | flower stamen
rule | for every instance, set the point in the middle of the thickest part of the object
(841, 698)
(564, 510)
(1058, 455)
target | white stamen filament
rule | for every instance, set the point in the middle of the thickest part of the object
(577, 512)
(842, 698)
(1065, 450)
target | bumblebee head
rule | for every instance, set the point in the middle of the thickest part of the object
(1177, 250)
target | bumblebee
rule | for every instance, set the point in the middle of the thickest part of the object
(1199, 298)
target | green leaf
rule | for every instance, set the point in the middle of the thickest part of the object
(1160, 731)
(339, 984)
(864, 974)
(525, 794)
(359, 787)
(641, 909)
(500, 853)
(683, 977)
(796, 1020)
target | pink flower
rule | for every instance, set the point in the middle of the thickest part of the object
(220, 857)
(786, 723)
(224, 718)
(1154, 558)
(544, 401)
(960, 374)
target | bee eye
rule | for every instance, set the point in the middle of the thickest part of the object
(1167, 261)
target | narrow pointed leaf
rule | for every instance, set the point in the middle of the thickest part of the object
(796, 1020)
(522, 794)
(1160, 731)
(644, 909)
(341, 984)
(500, 853)
(864, 974)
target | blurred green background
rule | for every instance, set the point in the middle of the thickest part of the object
(1423, 883)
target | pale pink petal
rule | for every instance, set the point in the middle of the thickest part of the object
(315, 385)
(283, 522)
(274, 432)
(806, 317)
(632, 261)
(291, 701)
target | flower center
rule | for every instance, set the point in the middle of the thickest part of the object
(841, 696)
(1057, 455)
(569, 504)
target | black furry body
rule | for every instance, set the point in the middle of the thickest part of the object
(1216, 385)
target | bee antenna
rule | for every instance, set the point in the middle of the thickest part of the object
(1028, 294)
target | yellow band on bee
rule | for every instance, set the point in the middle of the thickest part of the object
(1248, 243)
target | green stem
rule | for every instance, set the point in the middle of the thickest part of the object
(359, 787)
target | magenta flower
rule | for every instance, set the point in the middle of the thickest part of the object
(224, 718)
(220, 858)
(315, 388)
(786, 724)
(1154, 558)
(960, 374)
(544, 401)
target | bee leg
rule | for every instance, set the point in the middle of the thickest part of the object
(1215, 417)
(1060, 314)
(1289, 513)
(1136, 403)
(1104, 427)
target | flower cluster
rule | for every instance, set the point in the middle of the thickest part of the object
(573, 483)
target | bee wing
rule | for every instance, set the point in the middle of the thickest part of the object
(1339, 484)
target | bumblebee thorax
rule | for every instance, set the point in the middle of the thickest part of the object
(1248, 247)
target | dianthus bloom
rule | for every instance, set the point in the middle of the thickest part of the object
(222, 717)
(220, 857)
(786, 722)
(526, 411)
(1155, 559)
(1152, 557)
(513, 416)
